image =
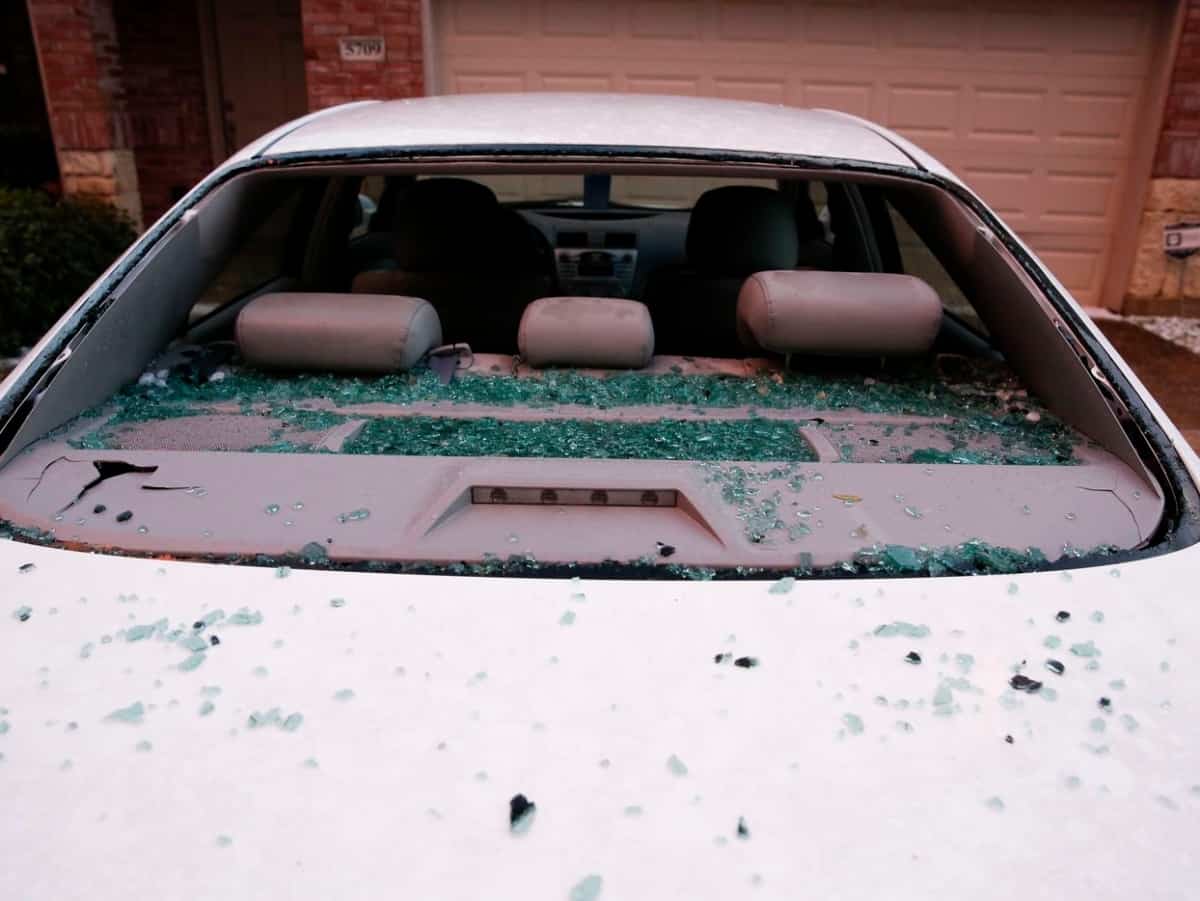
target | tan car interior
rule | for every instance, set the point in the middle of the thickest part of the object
(760, 285)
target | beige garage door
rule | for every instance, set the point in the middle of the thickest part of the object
(1036, 105)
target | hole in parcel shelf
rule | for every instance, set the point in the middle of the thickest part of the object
(105, 470)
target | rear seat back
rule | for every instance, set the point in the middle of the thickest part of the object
(319, 332)
(733, 232)
(476, 262)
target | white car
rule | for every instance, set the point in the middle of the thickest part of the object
(586, 496)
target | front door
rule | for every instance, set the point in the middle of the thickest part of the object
(260, 55)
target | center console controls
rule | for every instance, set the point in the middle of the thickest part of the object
(596, 264)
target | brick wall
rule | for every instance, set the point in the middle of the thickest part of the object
(332, 80)
(1159, 284)
(163, 77)
(81, 72)
(1179, 144)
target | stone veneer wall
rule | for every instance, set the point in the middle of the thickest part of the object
(81, 74)
(1159, 284)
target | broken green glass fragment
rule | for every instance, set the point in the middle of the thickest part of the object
(975, 424)
(676, 766)
(192, 662)
(138, 633)
(246, 617)
(22, 614)
(1097, 724)
(143, 745)
(898, 628)
(292, 722)
(344, 694)
(224, 841)
(86, 651)
(567, 619)
(995, 804)
(210, 691)
(1085, 649)
(131, 714)
(782, 586)
(337, 602)
(206, 708)
(212, 617)
(194, 643)
(311, 763)
(853, 722)
(260, 718)
(587, 889)
(664, 439)
(943, 699)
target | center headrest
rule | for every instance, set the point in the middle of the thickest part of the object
(838, 313)
(739, 229)
(439, 219)
(601, 332)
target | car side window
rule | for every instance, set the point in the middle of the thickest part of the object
(915, 258)
(260, 258)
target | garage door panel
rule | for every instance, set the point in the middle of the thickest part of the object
(569, 18)
(679, 19)
(940, 27)
(1011, 192)
(576, 81)
(831, 92)
(922, 110)
(1077, 263)
(1094, 115)
(484, 82)
(1006, 113)
(767, 90)
(1034, 103)
(1080, 201)
(840, 25)
(761, 21)
(486, 18)
(1025, 30)
(650, 83)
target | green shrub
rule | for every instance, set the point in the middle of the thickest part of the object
(50, 251)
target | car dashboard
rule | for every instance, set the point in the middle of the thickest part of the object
(609, 253)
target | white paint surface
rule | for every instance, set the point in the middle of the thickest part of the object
(831, 815)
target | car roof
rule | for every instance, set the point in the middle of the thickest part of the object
(594, 120)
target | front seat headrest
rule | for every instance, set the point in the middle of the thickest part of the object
(740, 229)
(440, 219)
(838, 313)
(337, 332)
(600, 332)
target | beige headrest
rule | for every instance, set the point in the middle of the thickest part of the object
(838, 313)
(337, 332)
(603, 332)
